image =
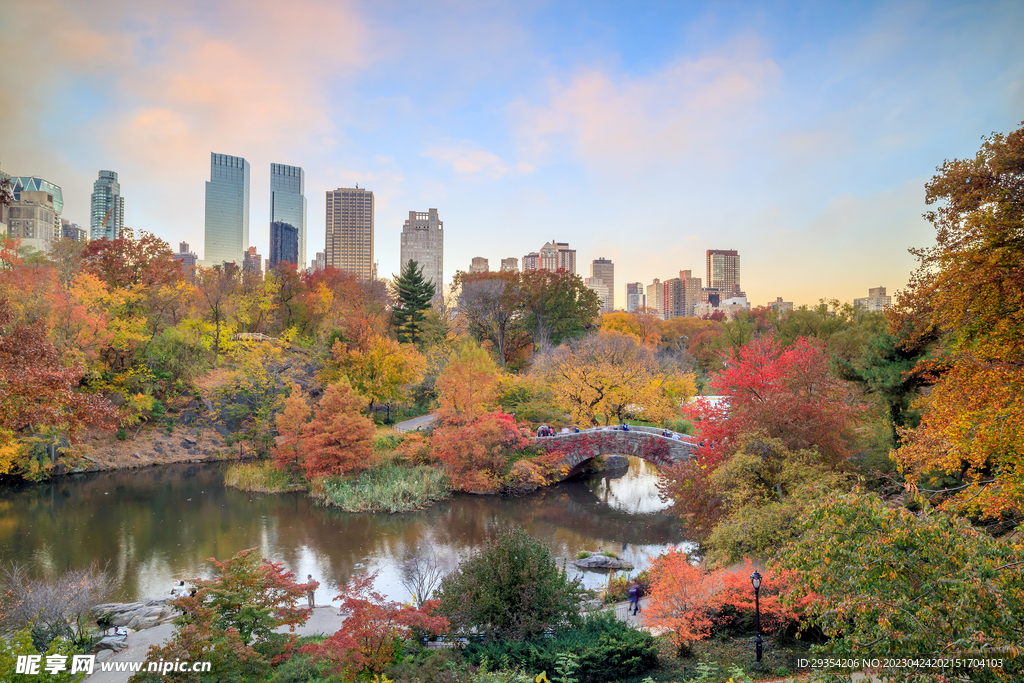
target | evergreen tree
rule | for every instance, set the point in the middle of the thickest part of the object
(414, 295)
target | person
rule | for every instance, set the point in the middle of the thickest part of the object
(625, 427)
(666, 434)
(634, 596)
(179, 589)
(311, 589)
(677, 437)
(577, 430)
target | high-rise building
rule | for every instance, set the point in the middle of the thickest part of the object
(635, 297)
(320, 262)
(680, 295)
(604, 270)
(73, 231)
(600, 288)
(284, 244)
(479, 265)
(423, 242)
(510, 265)
(186, 258)
(227, 209)
(876, 300)
(31, 218)
(655, 291)
(21, 184)
(107, 209)
(554, 255)
(350, 231)
(252, 262)
(566, 257)
(531, 261)
(781, 306)
(288, 204)
(723, 270)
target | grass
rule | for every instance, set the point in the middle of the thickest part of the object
(387, 488)
(582, 555)
(261, 477)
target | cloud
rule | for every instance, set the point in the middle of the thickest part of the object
(684, 108)
(469, 159)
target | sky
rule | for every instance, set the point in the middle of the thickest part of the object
(799, 133)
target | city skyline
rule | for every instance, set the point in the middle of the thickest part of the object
(800, 136)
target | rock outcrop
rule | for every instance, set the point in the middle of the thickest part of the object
(602, 562)
(137, 615)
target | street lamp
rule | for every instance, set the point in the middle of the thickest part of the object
(755, 580)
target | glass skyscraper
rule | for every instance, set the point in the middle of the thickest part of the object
(107, 210)
(227, 210)
(288, 204)
(284, 244)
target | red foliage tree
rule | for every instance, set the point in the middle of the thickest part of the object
(788, 394)
(776, 615)
(337, 440)
(130, 262)
(367, 639)
(35, 391)
(476, 455)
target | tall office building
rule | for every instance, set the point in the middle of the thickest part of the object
(252, 262)
(531, 261)
(635, 297)
(566, 257)
(35, 184)
(227, 210)
(510, 265)
(681, 295)
(876, 300)
(655, 290)
(423, 242)
(604, 270)
(73, 231)
(107, 210)
(288, 204)
(723, 270)
(284, 244)
(553, 255)
(31, 217)
(479, 265)
(350, 231)
(599, 287)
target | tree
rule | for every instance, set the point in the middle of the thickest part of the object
(510, 590)
(468, 385)
(129, 262)
(556, 305)
(893, 582)
(338, 439)
(969, 288)
(414, 295)
(383, 370)
(683, 598)
(478, 454)
(217, 288)
(231, 621)
(370, 637)
(785, 394)
(490, 304)
(613, 374)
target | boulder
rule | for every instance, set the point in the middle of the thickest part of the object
(115, 643)
(598, 561)
(137, 615)
(187, 417)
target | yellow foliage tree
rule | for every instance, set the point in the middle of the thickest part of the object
(382, 370)
(468, 386)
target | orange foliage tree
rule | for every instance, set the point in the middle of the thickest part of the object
(338, 439)
(776, 615)
(468, 386)
(369, 638)
(684, 598)
(478, 454)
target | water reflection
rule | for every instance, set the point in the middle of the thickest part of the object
(157, 525)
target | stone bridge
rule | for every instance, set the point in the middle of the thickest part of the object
(640, 442)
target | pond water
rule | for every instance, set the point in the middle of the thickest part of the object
(158, 525)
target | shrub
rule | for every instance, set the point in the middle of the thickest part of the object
(22, 643)
(512, 589)
(684, 599)
(122, 434)
(582, 555)
(607, 650)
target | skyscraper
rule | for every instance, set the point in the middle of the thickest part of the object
(510, 264)
(288, 204)
(566, 257)
(284, 244)
(227, 209)
(723, 274)
(531, 261)
(479, 265)
(655, 290)
(423, 242)
(253, 263)
(635, 297)
(350, 231)
(599, 287)
(52, 195)
(604, 270)
(107, 210)
(680, 295)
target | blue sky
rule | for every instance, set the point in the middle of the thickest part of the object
(800, 134)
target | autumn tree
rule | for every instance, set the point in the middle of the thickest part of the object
(337, 440)
(490, 306)
(468, 386)
(479, 453)
(969, 288)
(613, 375)
(217, 288)
(128, 261)
(786, 394)
(895, 582)
(372, 634)
(683, 599)
(383, 370)
(413, 295)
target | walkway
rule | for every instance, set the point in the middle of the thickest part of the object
(423, 421)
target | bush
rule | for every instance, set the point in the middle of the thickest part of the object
(510, 590)
(122, 434)
(384, 489)
(582, 555)
(607, 649)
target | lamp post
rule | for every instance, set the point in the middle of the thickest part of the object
(755, 580)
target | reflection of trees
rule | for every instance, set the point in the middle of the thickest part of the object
(167, 521)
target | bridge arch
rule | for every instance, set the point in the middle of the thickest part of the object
(646, 443)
